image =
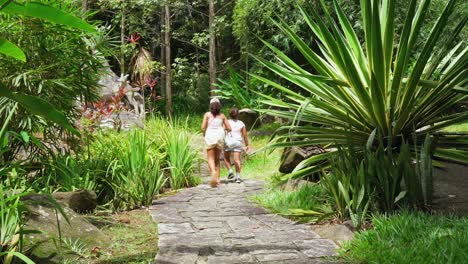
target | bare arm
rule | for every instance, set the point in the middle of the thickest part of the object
(227, 126)
(246, 139)
(204, 124)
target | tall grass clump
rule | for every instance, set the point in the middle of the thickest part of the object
(410, 237)
(12, 226)
(137, 175)
(181, 159)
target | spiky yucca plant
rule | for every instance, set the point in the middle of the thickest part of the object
(374, 87)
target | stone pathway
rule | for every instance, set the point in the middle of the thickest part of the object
(219, 225)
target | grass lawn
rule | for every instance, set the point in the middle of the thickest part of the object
(411, 237)
(260, 165)
(306, 197)
(133, 236)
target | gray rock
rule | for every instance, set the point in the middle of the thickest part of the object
(42, 216)
(337, 232)
(317, 247)
(291, 157)
(81, 201)
(249, 117)
(174, 228)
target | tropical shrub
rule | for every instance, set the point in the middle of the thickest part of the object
(349, 185)
(378, 180)
(137, 175)
(15, 12)
(355, 90)
(181, 159)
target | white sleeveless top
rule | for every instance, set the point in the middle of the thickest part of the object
(215, 123)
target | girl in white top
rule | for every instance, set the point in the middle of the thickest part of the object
(239, 133)
(213, 126)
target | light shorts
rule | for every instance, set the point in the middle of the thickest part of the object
(235, 149)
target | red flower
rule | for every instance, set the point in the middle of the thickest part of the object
(134, 38)
(151, 83)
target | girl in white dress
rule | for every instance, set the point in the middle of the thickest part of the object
(213, 126)
(238, 133)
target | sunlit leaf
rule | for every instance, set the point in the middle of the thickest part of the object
(40, 107)
(10, 49)
(39, 10)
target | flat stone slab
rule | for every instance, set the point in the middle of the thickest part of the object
(220, 225)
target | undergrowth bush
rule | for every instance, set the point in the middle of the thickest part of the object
(180, 158)
(137, 176)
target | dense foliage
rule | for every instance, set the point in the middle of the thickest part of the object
(373, 91)
(376, 83)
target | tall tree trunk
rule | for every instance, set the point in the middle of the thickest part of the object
(167, 44)
(163, 53)
(212, 53)
(122, 39)
(197, 55)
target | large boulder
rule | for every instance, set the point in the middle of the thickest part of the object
(80, 201)
(42, 215)
(249, 117)
(292, 156)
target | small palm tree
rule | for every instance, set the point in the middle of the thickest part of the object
(356, 90)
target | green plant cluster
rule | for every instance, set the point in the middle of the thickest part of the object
(382, 103)
(410, 237)
(128, 169)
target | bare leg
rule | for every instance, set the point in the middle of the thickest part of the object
(217, 165)
(237, 161)
(227, 159)
(211, 153)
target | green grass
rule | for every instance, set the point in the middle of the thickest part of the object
(411, 237)
(306, 197)
(133, 236)
(260, 165)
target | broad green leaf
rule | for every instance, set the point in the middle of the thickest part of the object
(25, 136)
(39, 10)
(9, 49)
(40, 107)
(18, 255)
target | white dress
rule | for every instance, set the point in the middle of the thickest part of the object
(214, 135)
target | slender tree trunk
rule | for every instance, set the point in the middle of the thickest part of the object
(197, 57)
(122, 39)
(212, 53)
(163, 53)
(167, 44)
